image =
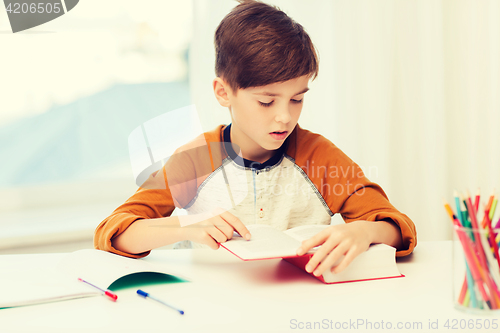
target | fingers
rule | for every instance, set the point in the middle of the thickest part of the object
(235, 224)
(223, 227)
(349, 257)
(213, 237)
(326, 262)
(216, 229)
(315, 240)
(336, 260)
(323, 252)
(339, 246)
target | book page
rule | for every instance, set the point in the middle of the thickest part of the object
(266, 242)
(305, 231)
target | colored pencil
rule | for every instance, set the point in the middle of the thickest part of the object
(460, 216)
(493, 208)
(492, 239)
(474, 265)
(481, 250)
(487, 208)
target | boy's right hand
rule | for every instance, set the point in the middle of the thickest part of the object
(216, 229)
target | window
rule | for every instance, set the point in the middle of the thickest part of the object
(73, 90)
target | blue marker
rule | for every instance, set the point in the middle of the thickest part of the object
(145, 294)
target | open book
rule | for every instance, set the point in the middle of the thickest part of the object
(378, 262)
(59, 281)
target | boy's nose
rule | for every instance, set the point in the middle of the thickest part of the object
(283, 115)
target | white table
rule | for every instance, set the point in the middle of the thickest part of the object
(229, 295)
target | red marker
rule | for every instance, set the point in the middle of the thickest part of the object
(112, 296)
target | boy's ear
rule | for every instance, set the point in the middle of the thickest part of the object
(221, 91)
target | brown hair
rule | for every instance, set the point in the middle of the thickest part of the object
(257, 44)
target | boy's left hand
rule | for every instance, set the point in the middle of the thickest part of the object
(350, 239)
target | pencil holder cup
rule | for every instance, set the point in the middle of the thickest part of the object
(476, 270)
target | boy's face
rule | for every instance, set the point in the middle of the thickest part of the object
(262, 117)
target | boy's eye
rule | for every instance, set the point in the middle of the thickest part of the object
(295, 101)
(266, 104)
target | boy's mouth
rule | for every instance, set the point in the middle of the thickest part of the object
(279, 135)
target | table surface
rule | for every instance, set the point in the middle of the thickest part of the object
(226, 294)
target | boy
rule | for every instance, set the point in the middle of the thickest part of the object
(291, 177)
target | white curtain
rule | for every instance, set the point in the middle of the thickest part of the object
(409, 89)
